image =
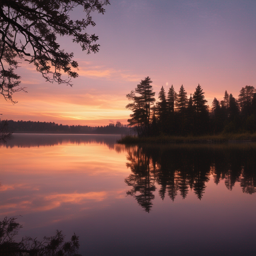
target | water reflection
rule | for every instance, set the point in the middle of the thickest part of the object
(37, 140)
(178, 169)
(79, 187)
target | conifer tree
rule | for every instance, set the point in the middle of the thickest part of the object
(162, 109)
(226, 100)
(190, 116)
(233, 116)
(181, 104)
(199, 100)
(233, 108)
(201, 113)
(171, 99)
(162, 104)
(217, 117)
(143, 98)
(215, 106)
(245, 100)
(182, 100)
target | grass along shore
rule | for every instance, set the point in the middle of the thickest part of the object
(206, 139)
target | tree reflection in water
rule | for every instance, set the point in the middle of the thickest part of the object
(176, 169)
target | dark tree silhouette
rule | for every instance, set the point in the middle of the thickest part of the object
(143, 98)
(226, 100)
(162, 110)
(217, 117)
(201, 113)
(177, 115)
(190, 117)
(174, 170)
(182, 100)
(53, 245)
(199, 100)
(171, 99)
(140, 179)
(245, 99)
(29, 30)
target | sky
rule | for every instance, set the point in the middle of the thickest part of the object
(189, 42)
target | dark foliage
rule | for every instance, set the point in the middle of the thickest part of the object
(142, 99)
(179, 169)
(29, 31)
(54, 245)
(178, 115)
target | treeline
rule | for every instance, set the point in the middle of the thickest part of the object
(51, 127)
(177, 114)
(178, 170)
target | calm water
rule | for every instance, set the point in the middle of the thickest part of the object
(176, 200)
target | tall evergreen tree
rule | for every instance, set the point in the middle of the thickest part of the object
(171, 99)
(233, 108)
(245, 100)
(226, 100)
(233, 116)
(181, 104)
(199, 100)
(171, 102)
(217, 117)
(162, 109)
(141, 105)
(182, 100)
(190, 116)
(215, 106)
(201, 111)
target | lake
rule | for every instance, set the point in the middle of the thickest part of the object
(154, 200)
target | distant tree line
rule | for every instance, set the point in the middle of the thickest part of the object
(177, 114)
(51, 127)
(177, 170)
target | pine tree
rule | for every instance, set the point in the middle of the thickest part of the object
(245, 100)
(217, 117)
(162, 109)
(215, 106)
(171, 99)
(182, 100)
(199, 100)
(233, 108)
(201, 112)
(141, 105)
(233, 116)
(162, 104)
(190, 116)
(226, 100)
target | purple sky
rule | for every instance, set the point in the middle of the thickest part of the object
(173, 42)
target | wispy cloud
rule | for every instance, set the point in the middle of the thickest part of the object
(111, 74)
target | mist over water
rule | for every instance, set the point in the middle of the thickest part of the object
(154, 200)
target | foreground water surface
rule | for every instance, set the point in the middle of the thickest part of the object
(165, 200)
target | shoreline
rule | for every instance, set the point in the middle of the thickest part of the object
(207, 139)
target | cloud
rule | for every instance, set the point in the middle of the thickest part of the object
(48, 202)
(88, 70)
(17, 186)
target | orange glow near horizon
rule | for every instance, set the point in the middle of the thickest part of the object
(53, 177)
(97, 98)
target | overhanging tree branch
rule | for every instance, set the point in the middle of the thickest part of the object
(29, 28)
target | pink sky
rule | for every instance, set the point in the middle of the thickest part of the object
(173, 42)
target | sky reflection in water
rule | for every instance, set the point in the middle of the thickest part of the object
(132, 201)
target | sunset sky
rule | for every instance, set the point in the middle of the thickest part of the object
(210, 42)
